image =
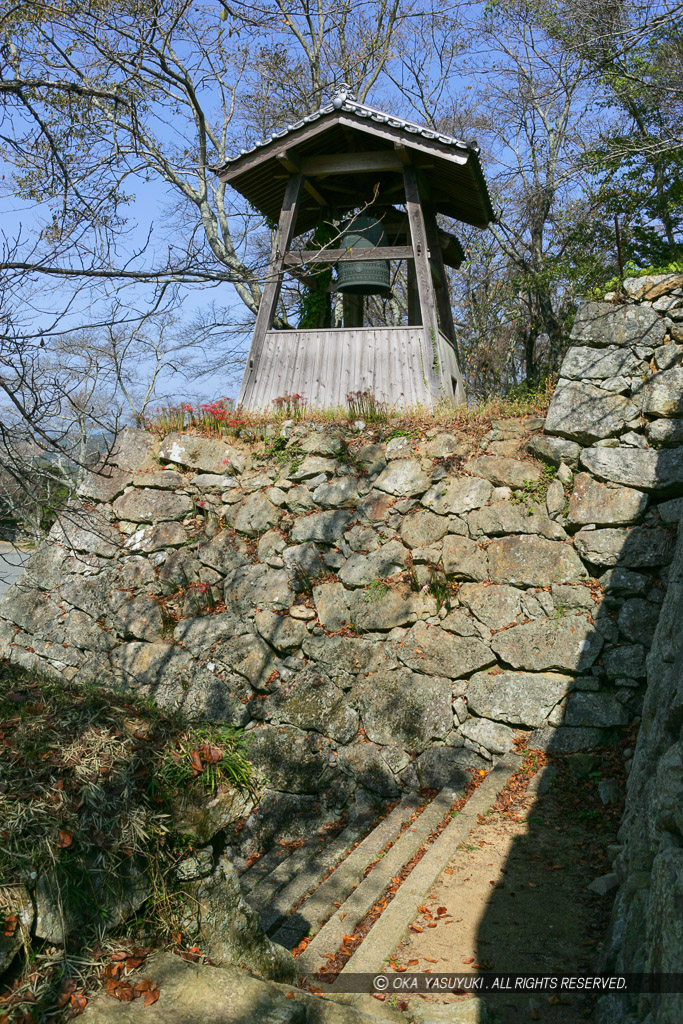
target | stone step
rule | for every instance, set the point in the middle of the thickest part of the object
(373, 953)
(356, 905)
(262, 868)
(323, 894)
(262, 890)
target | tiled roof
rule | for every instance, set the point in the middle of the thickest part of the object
(343, 101)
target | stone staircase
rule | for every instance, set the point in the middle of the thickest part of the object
(301, 898)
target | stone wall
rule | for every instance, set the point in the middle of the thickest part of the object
(381, 609)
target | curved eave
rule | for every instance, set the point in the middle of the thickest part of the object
(450, 168)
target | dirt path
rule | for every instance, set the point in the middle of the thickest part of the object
(514, 898)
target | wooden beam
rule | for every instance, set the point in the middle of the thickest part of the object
(442, 297)
(418, 234)
(346, 163)
(289, 159)
(379, 252)
(273, 284)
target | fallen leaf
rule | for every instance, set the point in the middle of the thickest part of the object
(415, 928)
(448, 871)
(65, 839)
(470, 960)
(125, 992)
(289, 995)
(430, 959)
(342, 916)
(150, 997)
(78, 1001)
(196, 762)
(211, 754)
(441, 911)
(432, 924)
(411, 963)
(11, 922)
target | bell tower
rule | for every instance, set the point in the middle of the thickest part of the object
(383, 181)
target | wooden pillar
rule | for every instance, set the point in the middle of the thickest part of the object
(413, 297)
(273, 283)
(442, 297)
(353, 310)
(418, 236)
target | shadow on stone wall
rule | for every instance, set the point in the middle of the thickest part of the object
(640, 892)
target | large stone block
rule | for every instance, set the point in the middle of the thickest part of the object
(603, 323)
(453, 496)
(597, 364)
(636, 467)
(254, 515)
(208, 454)
(427, 649)
(340, 493)
(348, 655)
(555, 450)
(87, 531)
(585, 413)
(105, 483)
(463, 559)
(502, 517)
(603, 504)
(663, 393)
(491, 736)
(157, 538)
(494, 605)
(388, 560)
(569, 645)
(145, 666)
(313, 701)
(504, 472)
(517, 698)
(149, 505)
(422, 528)
(324, 527)
(638, 620)
(134, 450)
(595, 710)
(665, 433)
(255, 586)
(291, 759)
(404, 477)
(404, 708)
(637, 548)
(370, 610)
(534, 562)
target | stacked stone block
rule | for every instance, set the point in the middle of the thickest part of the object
(382, 613)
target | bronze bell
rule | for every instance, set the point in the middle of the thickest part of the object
(366, 277)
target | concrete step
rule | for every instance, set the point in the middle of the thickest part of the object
(389, 929)
(322, 895)
(316, 850)
(356, 904)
